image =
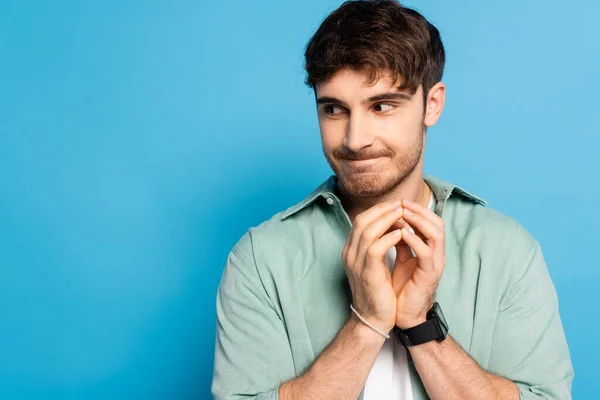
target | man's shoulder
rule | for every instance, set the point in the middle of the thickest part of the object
(490, 217)
(492, 231)
(287, 226)
(475, 222)
(477, 214)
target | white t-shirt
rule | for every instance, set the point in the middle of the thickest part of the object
(389, 378)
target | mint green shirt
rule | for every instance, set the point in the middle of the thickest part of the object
(284, 296)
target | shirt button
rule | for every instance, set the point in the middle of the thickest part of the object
(330, 201)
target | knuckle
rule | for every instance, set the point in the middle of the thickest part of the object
(359, 220)
(350, 260)
(372, 252)
(368, 235)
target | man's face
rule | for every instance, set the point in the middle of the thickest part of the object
(373, 134)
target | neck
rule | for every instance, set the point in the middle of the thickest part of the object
(413, 187)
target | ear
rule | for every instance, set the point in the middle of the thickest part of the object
(434, 104)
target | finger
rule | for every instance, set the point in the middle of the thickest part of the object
(424, 253)
(381, 246)
(424, 211)
(400, 223)
(362, 221)
(365, 218)
(377, 229)
(433, 235)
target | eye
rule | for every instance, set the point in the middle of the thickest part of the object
(383, 107)
(332, 109)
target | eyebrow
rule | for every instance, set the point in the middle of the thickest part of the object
(378, 97)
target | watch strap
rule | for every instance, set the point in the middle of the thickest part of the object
(423, 333)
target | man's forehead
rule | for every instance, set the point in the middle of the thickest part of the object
(357, 84)
(363, 77)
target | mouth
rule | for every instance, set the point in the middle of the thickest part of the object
(361, 164)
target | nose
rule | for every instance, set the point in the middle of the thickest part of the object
(358, 134)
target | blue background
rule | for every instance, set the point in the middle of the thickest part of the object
(140, 139)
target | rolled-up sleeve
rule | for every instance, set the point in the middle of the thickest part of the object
(252, 351)
(529, 345)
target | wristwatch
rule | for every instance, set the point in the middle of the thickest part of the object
(435, 328)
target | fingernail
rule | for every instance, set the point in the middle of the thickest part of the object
(408, 212)
(398, 210)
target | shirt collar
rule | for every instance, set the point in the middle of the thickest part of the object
(442, 190)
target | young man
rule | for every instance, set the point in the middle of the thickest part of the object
(385, 283)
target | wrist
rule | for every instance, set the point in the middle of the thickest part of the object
(408, 321)
(416, 331)
(363, 333)
(429, 349)
(412, 322)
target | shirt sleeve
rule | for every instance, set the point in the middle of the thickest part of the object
(252, 352)
(529, 345)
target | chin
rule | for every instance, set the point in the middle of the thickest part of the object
(367, 184)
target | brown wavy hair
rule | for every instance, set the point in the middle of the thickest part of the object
(377, 37)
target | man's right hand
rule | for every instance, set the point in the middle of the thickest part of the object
(370, 279)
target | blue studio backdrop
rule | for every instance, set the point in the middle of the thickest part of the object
(139, 140)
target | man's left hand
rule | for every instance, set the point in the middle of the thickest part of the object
(415, 279)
